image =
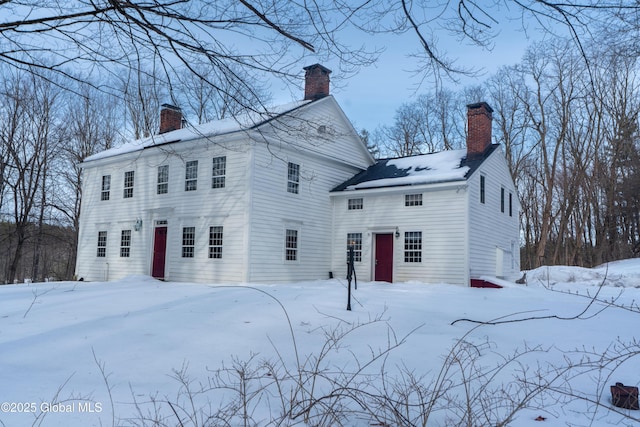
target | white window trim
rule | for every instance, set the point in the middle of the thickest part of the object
(188, 180)
(183, 246)
(131, 186)
(297, 183)
(361, 205)
(413, 250)
(102, 246)
(357, 252)
(210, 246)
(412, 200)
(158, 182)
(298, 246)
(125, 247)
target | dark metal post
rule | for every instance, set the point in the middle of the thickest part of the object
(349, 275)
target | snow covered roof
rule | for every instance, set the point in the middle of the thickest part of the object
(443, 166)
(240, 122)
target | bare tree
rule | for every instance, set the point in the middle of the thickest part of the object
(616, 163)
(555, 74)
(443, 114)
(267, 36)
(92, 122)
(406, 137)
(433, 122)
(28, 137)
(143, 93)
(205, 103)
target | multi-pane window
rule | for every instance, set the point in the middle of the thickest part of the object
(354, 240)
(354, 204)
(128, 184)
(215, 242)
(291, 245)
(106, 187)
(102, 244)
(502, 200)
(191, 176)
(125, 243)
(163, 179)
(293, 178)
(413, 246)
(413, 199)
(482, 185)
(188, 242)
(219, 171)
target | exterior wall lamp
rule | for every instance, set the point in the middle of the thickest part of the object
(397, 233)
(138, 225)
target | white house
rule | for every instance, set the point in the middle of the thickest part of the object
(277, 198)
(237, 200)
(447, 217)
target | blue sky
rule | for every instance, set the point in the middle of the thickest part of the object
(371, 97)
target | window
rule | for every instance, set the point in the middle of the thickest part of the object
(293, 178)
(413, 246)
(510, 204)
(413, 199)
(355, 204)
(219, 171)
(102, 244)
(163, 179)
(291, 245)
(125, 243)
(128, 184)
(106, 186)
(191, 176)
(502, 200)
(215, 242)
(355, 240)
(482, 185)
(188, 242)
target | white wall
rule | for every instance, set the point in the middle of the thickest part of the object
(273, 210)
(489, 228)
(441, 219)
(201, 208)
(254, 208)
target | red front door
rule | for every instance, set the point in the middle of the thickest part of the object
(159, 252)
(383, 271)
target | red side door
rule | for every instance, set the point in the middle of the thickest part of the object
(383, 270)
(159, 252)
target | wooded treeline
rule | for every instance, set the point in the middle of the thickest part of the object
(568, 125)
(47, 127)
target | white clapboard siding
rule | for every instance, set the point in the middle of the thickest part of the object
(320, 128)
(441, 219)
(201, 208)
(489, 228)
(274, 210)
(254, 208)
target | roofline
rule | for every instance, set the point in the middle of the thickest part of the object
(351, 128)
(102, 161)
(405, 188)
(471, 162)
(197, 136)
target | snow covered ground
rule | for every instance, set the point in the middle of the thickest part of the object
(84, 354)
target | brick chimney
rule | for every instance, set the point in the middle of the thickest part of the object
(479, 117)
(316, 82)
(170, 118)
